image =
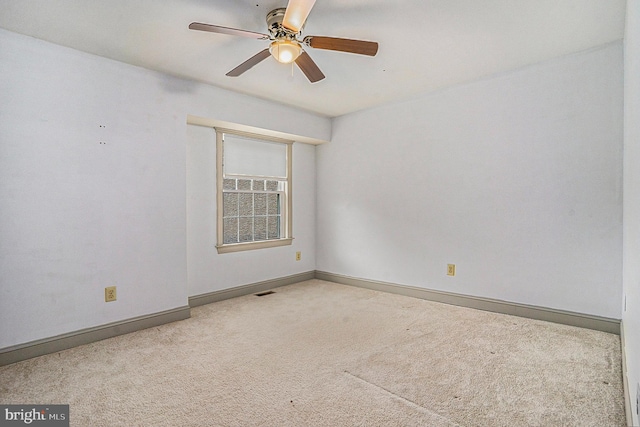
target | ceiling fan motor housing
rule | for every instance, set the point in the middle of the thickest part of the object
(276, 29)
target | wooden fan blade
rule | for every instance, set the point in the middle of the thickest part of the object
(226, 30)
(360, 47)
(309, 68)
(249, 63)
(296, 14)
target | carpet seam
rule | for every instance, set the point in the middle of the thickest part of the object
(404, 399)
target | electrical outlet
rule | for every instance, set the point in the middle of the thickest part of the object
(451, 269)
(298, 256)
(109, 294)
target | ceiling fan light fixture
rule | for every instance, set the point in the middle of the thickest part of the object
(285, 51)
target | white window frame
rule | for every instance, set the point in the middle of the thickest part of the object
(286, 223)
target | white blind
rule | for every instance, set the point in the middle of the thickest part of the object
(246, 156)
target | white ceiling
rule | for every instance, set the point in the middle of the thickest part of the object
(424, 44)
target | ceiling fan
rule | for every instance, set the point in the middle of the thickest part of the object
(285, 27)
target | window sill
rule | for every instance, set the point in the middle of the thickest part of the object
(249, 246)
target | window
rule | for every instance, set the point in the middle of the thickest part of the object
(251, 209)
(254, 191)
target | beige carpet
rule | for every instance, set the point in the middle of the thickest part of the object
(322, 354)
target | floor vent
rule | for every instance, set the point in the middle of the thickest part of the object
(261, 294)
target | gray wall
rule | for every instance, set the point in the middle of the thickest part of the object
(631, 278)
(516, 179)
(93, 170)
(208, 271)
